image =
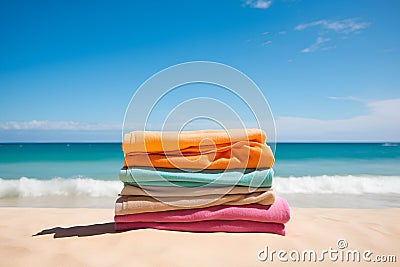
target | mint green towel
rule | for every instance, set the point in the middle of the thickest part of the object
(175, 177)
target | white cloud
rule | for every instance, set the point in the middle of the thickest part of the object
(261, 4)
(56, 125)
(350, 98)
(380, 125)
(266, 43)
(342, 26)
(315, 46)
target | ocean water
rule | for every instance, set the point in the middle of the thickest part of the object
(356, 175)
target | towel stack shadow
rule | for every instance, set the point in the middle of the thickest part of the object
(199, 181)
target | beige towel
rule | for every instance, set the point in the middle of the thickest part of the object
(162, 191)
(140, 204)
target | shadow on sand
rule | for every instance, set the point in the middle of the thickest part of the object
(80, 231)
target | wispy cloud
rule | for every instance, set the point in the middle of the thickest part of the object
(380, 124)
(56, 125)
(261, 4)
(315, 46)
(266, 43)
(347, 98)
(267, 37)
(342, 26)
(325, 27)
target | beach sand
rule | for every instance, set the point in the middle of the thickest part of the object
(85, 237)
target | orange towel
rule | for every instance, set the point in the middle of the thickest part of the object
(207, 149)
(151, 142)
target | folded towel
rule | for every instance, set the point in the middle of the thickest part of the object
(278, 212)
(174, 177)
(163, 191)
(208, 226)
(158, 142)
(139, 204)
(239, 155)
(209, 149)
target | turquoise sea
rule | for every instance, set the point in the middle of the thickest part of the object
(307, 174)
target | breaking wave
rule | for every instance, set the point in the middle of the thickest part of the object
(338, 184)
(89, 187)
(30, 187)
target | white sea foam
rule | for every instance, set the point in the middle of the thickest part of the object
(29, 187)
(338, 184)
(89, 187)
(389, 144)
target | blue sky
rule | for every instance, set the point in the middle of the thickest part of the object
(329, 69)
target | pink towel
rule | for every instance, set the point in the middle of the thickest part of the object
(208, 226)
(277, 213)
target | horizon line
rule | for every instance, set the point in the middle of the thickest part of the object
(278, 142)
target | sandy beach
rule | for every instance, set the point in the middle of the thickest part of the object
(85, 237)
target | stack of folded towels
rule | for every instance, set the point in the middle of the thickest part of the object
(199, 181)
